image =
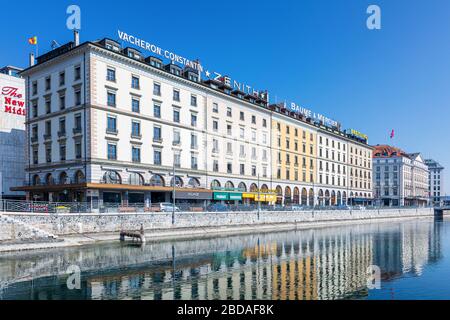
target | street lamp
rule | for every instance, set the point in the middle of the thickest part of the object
(173, 191)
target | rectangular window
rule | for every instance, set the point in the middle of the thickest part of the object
(48, 83)
(229, 167)
(194, 163)
(193, 120)
(62, 78)
(176, 95)
(112, 151)
(111, 124)
(48, 105)
(111, 75)
(157, 110)
(229, 113)
(176, 137)
(62, 152)
(176, 115)
(157, 134)
(254, 171)
(135, 105)
(193, 100)
(48, 154)
(216, 166)
(177, 160)
(215, 125)
(78, 150)
(135, 82)
(77, 72)
(215, 108)
(156, 89)
(194, 144)
(78, 121)
(62, 102)
(157, 157)
(111, 99)
(62, 126)
(241, 116)
(136, 129)
(136, 154)
(35, 88)
(253, 119)
(77, 97)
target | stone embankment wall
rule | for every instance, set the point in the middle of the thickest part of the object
(69, 224)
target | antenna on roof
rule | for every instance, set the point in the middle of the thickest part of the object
(54, 44)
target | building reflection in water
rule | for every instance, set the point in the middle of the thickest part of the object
(328, 263)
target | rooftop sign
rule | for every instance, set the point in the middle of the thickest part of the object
(358, 134)
(310, 114)
(176, 58)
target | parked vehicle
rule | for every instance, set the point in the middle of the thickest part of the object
(344, 207)
(217, 207)
(166, 207)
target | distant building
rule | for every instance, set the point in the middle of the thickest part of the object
(12, 132)
(436, 178)
(400, 178)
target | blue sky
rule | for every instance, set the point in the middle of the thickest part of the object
(317, 53)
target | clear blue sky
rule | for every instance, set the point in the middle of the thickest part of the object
(318, 53)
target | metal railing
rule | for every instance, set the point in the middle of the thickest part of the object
(96, 207)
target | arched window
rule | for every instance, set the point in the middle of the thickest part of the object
(333, 198)
(253, 188)
(296, 195)
(36, 180)
(136, 179)
(157, 181)
(229, 185)
(215, 184)
(304, 197)
(63, 178)
(344, 197)
(178, 182)
(321, 197)
(194, 183)
(311, 197)
(279, 191)
(287, 196)
(79, 177)
(242, 187)
(327, 198)
(264, 188)
(49, 179)
(339, 199)
(112, 177)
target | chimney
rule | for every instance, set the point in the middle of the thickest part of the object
(76, 37)
(31, 59)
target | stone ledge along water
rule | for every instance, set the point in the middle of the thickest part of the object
(189, 223)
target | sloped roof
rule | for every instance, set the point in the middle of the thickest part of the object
(386, 151)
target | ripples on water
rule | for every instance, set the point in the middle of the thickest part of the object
(327, 263)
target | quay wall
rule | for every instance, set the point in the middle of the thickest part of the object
(90, 223)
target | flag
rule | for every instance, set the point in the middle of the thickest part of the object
(392, 134)
(32, 40)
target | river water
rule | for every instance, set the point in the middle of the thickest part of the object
(410, 258)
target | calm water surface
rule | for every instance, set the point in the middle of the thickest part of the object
(327, 263)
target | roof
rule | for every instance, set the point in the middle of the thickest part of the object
(386, 151)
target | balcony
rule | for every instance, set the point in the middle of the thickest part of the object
(76, 131)
(34, 139)
(62, 134)
(177, 143)
(112, 131)
(136, 136)
(157, 139)
(47, 136)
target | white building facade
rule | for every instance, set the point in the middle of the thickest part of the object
(436, 187)
(400, 179)
(110, 125)
(12, 133)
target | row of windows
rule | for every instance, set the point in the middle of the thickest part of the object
(61, 102)
(61, 80)
(62, 152)
(62, 128)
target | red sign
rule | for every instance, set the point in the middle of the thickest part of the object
(13, 100)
